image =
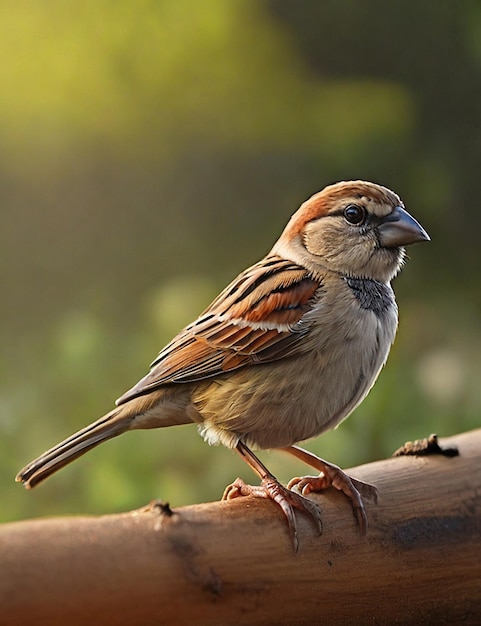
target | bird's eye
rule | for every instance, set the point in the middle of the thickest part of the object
(355, 214)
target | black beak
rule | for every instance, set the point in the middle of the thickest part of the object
(400, 229)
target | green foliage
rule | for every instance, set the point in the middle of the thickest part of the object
(220, 72)
(151, 150)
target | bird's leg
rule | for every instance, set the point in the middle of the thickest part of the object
(333, 476)
(271, 488)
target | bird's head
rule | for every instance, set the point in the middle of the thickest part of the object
(355, 228)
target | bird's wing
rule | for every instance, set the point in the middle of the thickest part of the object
(256, 319)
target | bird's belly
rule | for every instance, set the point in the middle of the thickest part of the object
(279, 404)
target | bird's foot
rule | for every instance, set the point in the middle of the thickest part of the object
(288, 500)
(333, 476)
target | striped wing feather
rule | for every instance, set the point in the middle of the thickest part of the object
(254, 320)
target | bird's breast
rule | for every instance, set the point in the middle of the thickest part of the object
(283, 402)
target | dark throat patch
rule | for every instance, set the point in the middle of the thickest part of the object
(371, 294)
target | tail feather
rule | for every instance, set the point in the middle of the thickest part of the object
(110, 425)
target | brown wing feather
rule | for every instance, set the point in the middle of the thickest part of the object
(254, 320)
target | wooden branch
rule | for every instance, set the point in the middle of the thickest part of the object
(233, 563)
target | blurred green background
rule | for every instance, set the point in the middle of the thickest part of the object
(149, 151)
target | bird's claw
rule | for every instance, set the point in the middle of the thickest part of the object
(333, 476)
(287, 500)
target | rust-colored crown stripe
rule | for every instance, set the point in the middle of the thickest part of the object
(323, 202)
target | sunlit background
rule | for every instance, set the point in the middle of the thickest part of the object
(149, 151)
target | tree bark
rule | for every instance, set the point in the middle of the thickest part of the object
(233, 562)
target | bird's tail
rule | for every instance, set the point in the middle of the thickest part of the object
(110, 425)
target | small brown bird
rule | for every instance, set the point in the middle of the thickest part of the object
(284, 353)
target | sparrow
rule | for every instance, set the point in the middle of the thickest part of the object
(286, 351)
